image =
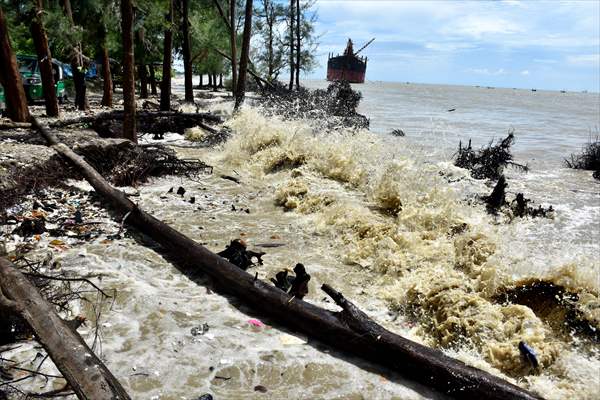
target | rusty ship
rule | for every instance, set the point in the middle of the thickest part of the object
(348, 66)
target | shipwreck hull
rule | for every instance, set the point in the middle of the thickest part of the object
(349, 68)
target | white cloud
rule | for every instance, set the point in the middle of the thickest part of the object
(485, 71)
(525, 72)
(478, 26)
(514, 3)
(592, 60)
(449, 46)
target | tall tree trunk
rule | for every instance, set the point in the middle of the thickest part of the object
(298, 48)
(233, 39)
(107, 87)
(142, 71)
(292, 69)
(214, 82)
(77, 65)
(220, 80)
(165, 83)
(241, 85)
(128, 76)
(40, 41)
(81, 101)
(187, 58)
(152, 79)
(210, 80)
(10, 78)
(200, 84)
(143, 74)
(269, 16)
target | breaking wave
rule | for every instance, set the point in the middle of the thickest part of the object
(435, 258)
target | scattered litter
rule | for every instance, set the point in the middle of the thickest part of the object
(181, 191)
(270, 245)
(199, 330)
(231, 178)
(256, 322)
(528, 354)
(56, 242)
(31, 227)
(260, 388)
(205, 396)
(291, 340)
(237, 254)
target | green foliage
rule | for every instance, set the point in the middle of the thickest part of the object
(97, 22)
(208, 32)
(17, 17)
(269, 26)
(272, 26)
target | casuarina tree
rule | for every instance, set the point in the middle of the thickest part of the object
(10, 78)
(241, 84)
(129, 131)
(165, 84)
(40, 41)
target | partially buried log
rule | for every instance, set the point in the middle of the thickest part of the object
(428, 366)
(87, 376)
(109, 124)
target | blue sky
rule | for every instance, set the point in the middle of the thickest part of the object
(508, 43)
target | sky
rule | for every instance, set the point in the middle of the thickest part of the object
(504, 43)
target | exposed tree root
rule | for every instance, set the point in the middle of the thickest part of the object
(488, 162)
(588, 159)
(335, 105)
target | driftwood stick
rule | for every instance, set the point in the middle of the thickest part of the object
(353, 317)
(14, 125)
(428, 366)
(87, 376)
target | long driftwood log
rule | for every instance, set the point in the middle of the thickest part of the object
(87, 376)
(118, 115)
(110, 122)
(428, 366)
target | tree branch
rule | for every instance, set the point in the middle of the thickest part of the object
(222, 14)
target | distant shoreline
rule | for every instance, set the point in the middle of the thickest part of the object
(560, 91)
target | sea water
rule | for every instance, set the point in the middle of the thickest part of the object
(387, 220)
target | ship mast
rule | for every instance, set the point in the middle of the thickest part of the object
(362, 48)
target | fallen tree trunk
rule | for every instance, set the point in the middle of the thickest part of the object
(149, 115)
(87, 376)
(423, 364)
(14, 125)
(109, 124)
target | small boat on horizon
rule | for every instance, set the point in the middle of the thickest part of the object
(348, 66)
